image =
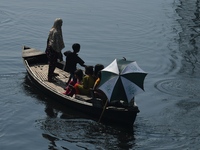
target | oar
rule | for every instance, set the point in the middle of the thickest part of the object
(103, 111)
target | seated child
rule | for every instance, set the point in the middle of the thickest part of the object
(78, 74)
(88, 82)
(97, 68)
(97, 93)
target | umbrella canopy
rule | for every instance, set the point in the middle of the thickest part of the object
(122, 80)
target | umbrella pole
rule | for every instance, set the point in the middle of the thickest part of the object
(103, 111)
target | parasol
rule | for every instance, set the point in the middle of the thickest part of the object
(122, 80)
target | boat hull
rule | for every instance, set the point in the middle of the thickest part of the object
(33, 58)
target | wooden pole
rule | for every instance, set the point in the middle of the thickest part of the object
(103, 110)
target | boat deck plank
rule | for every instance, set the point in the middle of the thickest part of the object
(41, 72)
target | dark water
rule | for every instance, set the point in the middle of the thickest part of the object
(162, 36)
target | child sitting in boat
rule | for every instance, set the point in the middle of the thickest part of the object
(97, 93)
(72, 59)
(97, 68)
(70, 91)
(88, 82)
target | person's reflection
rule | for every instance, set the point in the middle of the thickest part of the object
(52, 141)
(50, 112)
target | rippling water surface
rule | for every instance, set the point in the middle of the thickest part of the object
(162, 36)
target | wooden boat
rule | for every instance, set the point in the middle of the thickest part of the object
(36, 64)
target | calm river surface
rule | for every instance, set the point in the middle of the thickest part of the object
(163, 36)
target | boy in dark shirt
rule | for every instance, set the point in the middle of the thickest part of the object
(72, 59)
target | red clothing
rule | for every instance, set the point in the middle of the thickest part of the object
(68, 88)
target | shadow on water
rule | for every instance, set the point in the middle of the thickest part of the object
(67, 129)
(184, 86)
(185, 82)
(189, 37)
